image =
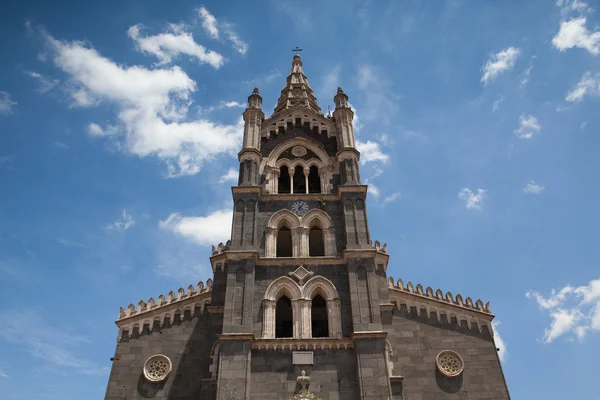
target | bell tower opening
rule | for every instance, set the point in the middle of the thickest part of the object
(318, 320)
(284, 242)
(283, 182)
(284, 317)
(299, 180)
(316, 245)
(314, 181)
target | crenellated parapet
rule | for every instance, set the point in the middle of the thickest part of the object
(164, 307)
(221, 248)
(377, 246)
(436, 302)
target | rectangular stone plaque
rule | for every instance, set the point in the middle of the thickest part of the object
(303, 358)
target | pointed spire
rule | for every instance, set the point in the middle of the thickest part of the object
(340, 99)
(297, 90)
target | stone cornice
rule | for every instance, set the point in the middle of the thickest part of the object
(236, 336)
(353, 189)
(369, 335)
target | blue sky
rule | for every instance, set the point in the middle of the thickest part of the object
(119, 123)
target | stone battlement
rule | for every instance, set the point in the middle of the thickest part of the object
(439, 296)
(182, 297)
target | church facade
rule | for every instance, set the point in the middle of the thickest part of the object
(300, 305)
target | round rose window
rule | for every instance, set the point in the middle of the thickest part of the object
(157, 368)
(450, 363)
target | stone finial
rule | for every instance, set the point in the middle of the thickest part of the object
(303, 381)
(340, 99)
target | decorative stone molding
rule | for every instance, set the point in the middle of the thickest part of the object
(301, 274)
(303, 344)
(450, 363)
(298, 151)
(157, 368)
(301, 296)
(476, 313)
(303, 381)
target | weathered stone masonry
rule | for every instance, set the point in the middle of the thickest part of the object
(300, 305)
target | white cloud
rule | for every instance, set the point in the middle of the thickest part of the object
(124, 222)
(498, 63)
(500, 344)
(533, 188)
(167, 46)
(211, 229)
(238, 44)
(45, 84)
(573, 33)
(473, 201)
(233, 104)
(152, 108)
(588, 85)
(528, 126)
(568, 6)
(373, 190)
(209, 23)
(392, 197)
(211, 27)
(497, 103)
(3, 374)
(52, 345)
(527, 73)
(96, 130)
(231, 175)
(6, 104)
(371, 151)
(574, 310)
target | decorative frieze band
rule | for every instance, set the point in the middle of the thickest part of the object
(303, 344)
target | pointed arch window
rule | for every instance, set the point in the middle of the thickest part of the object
(314, 181)
(284, 242)
(283, 182)
(319, 320)
(284, 318)
(316, 244)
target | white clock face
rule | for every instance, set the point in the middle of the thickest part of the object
(300, 207)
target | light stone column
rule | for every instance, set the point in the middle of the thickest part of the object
(275, 172)
(302, 241)
(334, 319)
(291, 174)
(269, 319)
(270, 242)
(296, 317)
(305, 318)
(306, 172)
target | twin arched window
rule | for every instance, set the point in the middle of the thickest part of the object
(284, 318)
(316, 242)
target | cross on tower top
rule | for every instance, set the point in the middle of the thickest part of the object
(297, 49)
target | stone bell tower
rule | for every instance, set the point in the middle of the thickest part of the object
(300, 306)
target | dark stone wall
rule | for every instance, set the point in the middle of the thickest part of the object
(294, 131)
(186, 341)
(417, 340)
(337, 274)
(333, 376)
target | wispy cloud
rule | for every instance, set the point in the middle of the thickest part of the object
(210, 229)
(473, 200)
(209, 23)
(3, 374)
(393, 197)
(573, 310)
(45, 84)
(29, 330)
(6, 103)
(533, 188)
(124, 222)
(170, 44)
(497, 103)
(231, 175)
(588, 85)
(211, 26)
(528, 126)
(373, 190)
(498, 63)
(379, 98)
(60, 145)
(573, 33)
(527, 73)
